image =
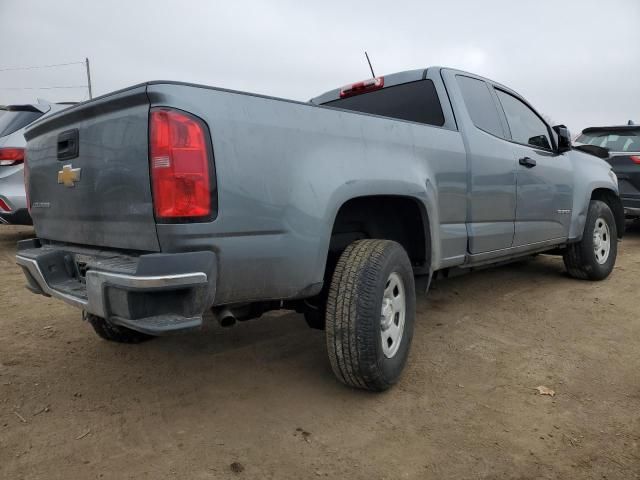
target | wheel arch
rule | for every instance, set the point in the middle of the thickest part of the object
(372, 209)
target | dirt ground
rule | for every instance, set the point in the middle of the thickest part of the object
(259, 400)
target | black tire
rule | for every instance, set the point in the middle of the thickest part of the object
(115, 333)
(580, 258)
(353, 314)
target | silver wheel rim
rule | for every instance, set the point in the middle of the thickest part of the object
(392, 315)
(601, 241)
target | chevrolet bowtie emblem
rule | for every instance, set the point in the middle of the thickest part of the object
(69, 175)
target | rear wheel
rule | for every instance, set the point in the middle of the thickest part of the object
(370, 314)
(115, 333)
(594, 257)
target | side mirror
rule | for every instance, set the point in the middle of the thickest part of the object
(564, 138)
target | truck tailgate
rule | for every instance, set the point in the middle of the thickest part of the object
(88, 173)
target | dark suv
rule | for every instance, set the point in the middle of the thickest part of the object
(623, 143)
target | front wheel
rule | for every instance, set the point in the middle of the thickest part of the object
(594, 257)
(370, 314)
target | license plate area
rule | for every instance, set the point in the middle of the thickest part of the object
(81, 266)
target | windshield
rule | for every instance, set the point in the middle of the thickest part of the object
(13, 120)
(614, 140)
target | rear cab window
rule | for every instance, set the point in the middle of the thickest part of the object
(480, 105)
(414, 101)
(616, 140)
(13, 120)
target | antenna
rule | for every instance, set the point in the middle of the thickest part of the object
(369, 62)
(86, 62)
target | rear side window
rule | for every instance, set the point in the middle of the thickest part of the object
(525, 125)
(13, 120)
(480, 104)
(614, 140)
(415, 101)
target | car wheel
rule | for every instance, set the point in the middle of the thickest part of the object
(594, 257)
(115, 333)
(370, 314)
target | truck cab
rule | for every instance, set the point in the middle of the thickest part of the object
(521, 187)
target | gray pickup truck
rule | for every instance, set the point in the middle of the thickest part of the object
(161, 202)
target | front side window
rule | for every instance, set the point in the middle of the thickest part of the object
(525, 125)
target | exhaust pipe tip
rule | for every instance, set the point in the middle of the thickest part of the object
(225, 317)
(229, 321)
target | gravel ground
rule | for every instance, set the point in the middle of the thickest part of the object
(259, 400)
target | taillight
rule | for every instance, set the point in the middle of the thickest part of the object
(180, 165)
(635, 159)
(362, 87)
(4, 206)
(11, 156)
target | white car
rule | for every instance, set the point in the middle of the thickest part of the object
(13, 120)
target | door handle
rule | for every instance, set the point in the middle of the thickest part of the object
(527, 162)
(68, 144)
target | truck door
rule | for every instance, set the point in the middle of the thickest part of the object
(544, 180)
(491, 166)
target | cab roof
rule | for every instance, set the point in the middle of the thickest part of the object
(405, 77)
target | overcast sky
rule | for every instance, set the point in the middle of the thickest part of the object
(578, 62)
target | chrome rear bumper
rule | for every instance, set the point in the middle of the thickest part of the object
(157, 303)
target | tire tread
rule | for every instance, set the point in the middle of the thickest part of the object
(578, 257)
(353, 345)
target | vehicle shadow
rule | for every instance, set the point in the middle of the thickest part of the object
(279, 348)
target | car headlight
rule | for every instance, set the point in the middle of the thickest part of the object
(614, 177)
